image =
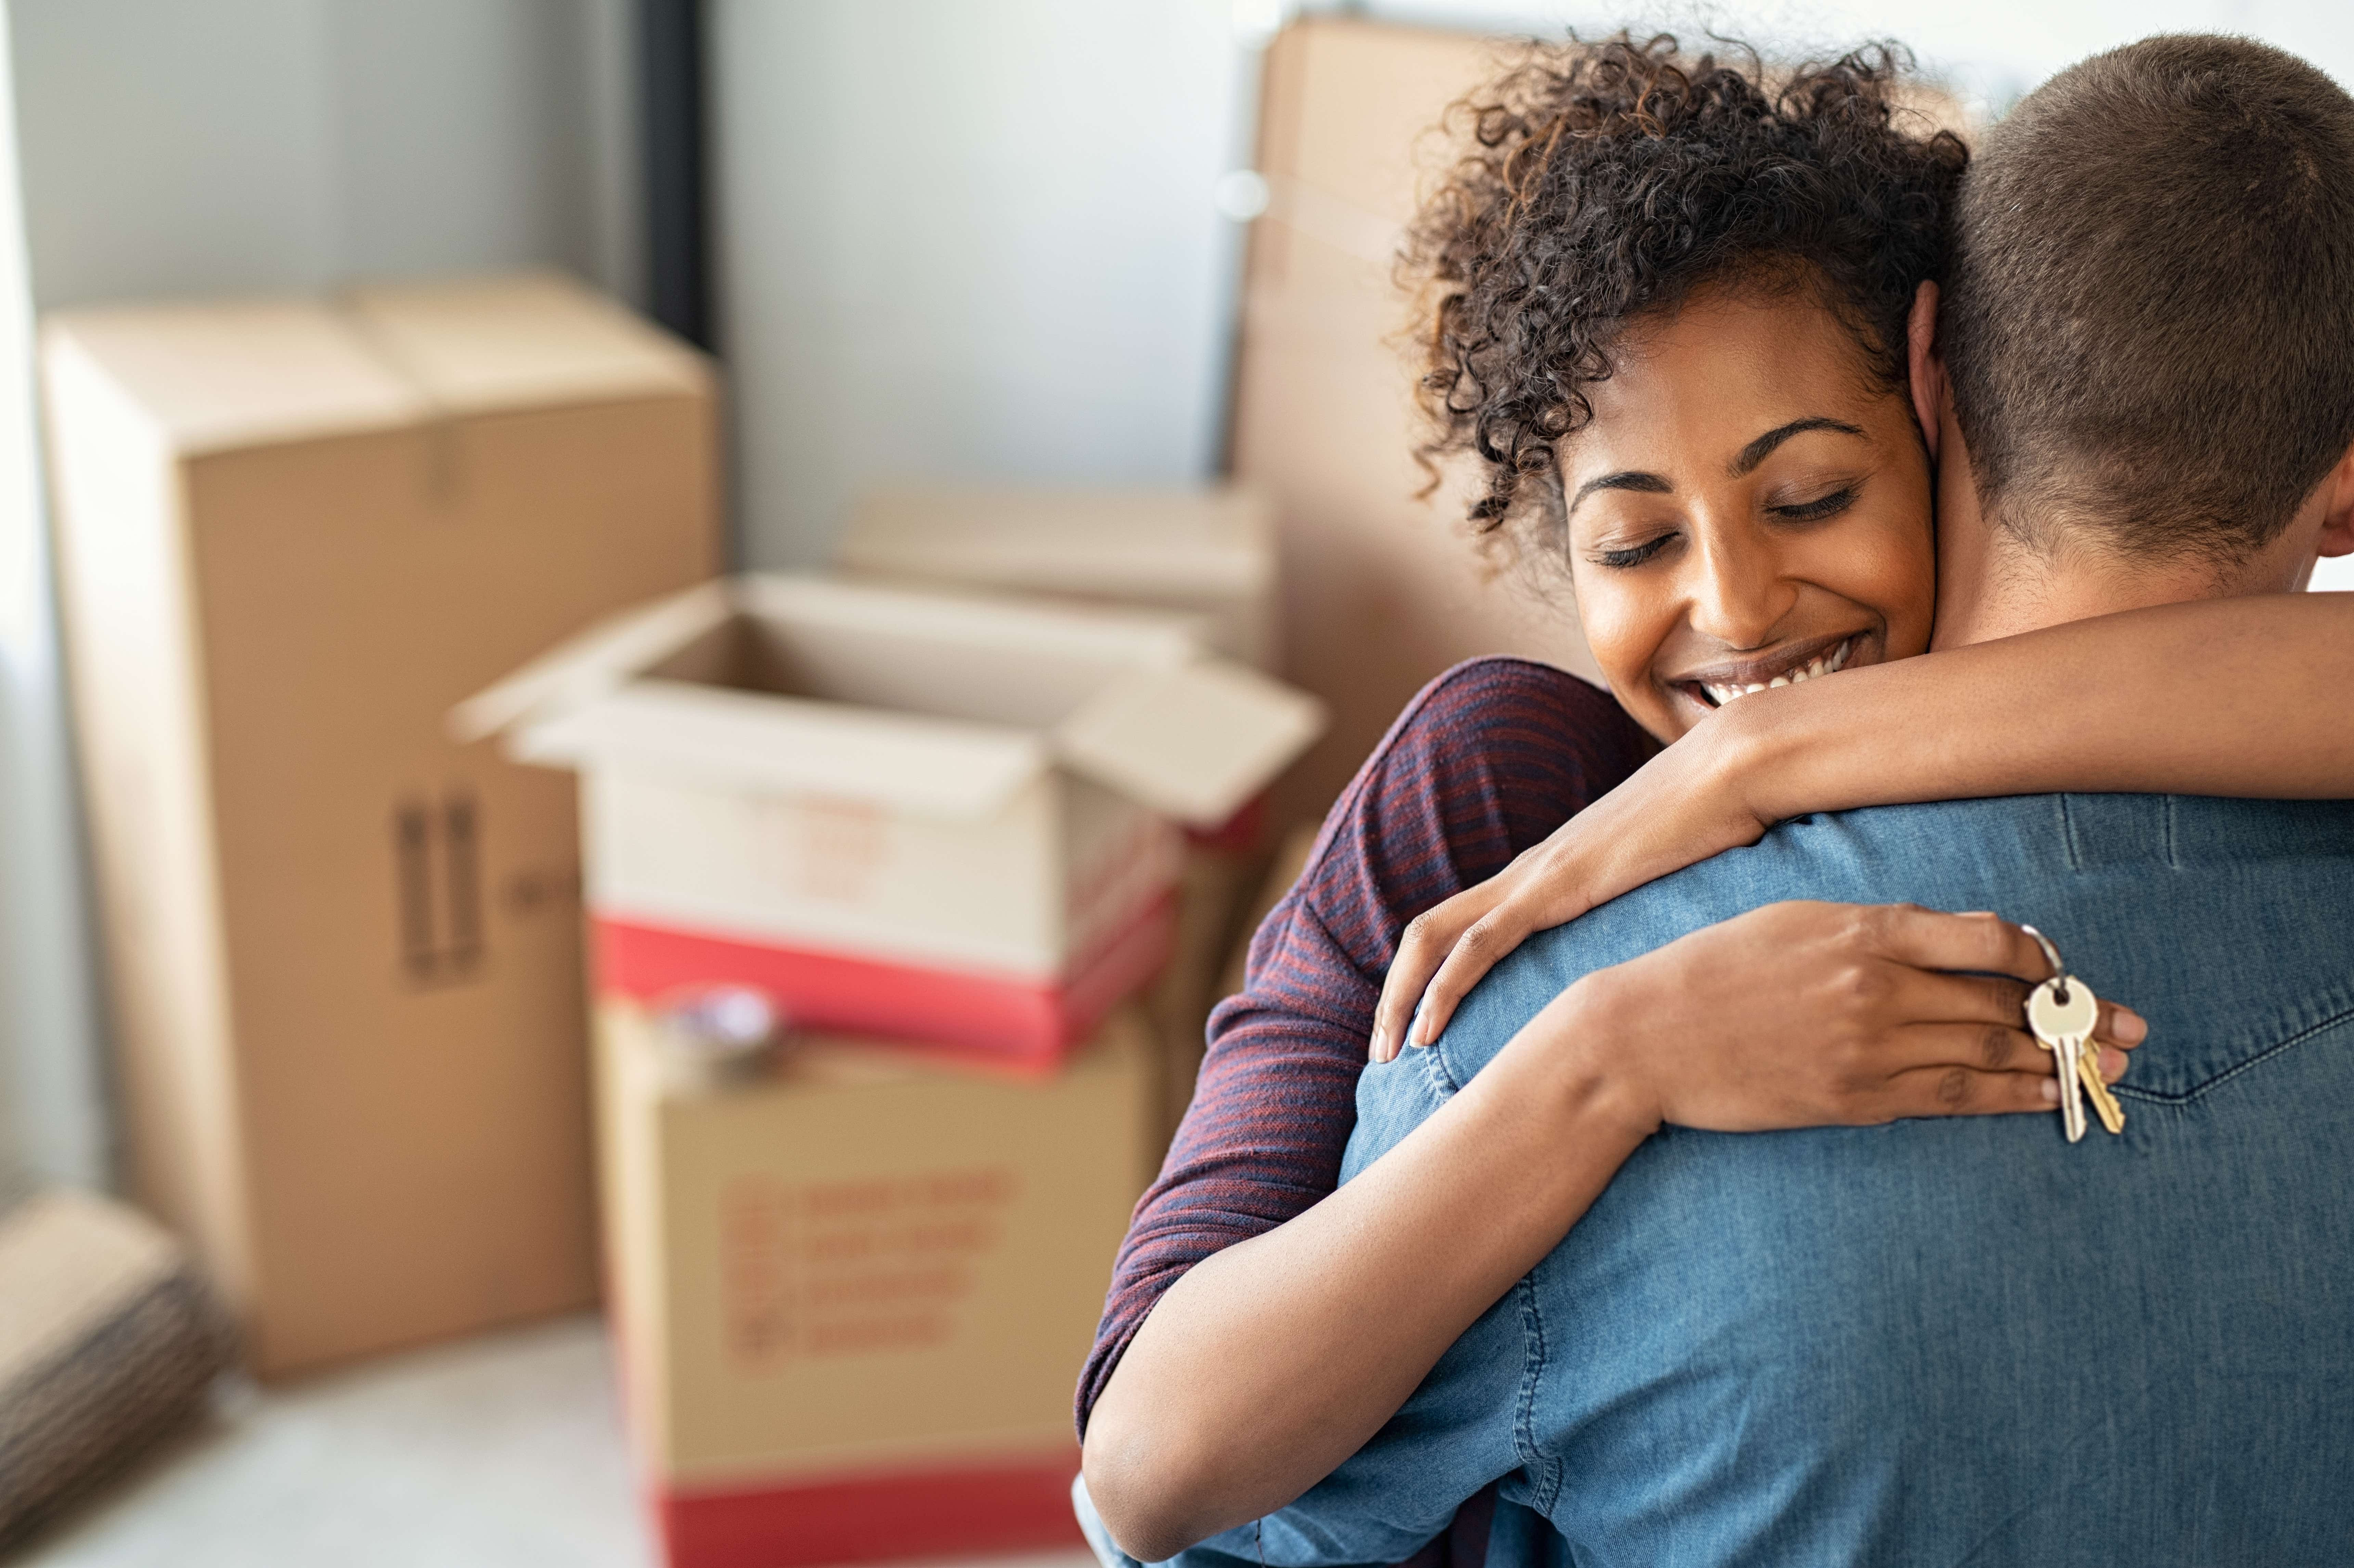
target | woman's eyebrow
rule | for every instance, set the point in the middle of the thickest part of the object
(1759, 449)
(1632, 479)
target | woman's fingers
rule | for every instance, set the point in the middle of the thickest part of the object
(1428, 938)
(1476, 951)
(1932, 939)
(1982, 1048)
(1962, 1091)
(2120, 1026)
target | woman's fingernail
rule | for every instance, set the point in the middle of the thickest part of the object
(1977, 914)
(2127, 1027)
(2112, 1065)
(2050, 1091)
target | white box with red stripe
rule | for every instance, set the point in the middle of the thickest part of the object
(921, 814)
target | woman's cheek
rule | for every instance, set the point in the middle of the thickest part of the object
(1626, 629)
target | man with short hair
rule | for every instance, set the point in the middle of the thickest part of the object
(1968, 1339)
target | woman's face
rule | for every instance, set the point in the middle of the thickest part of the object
(1746, 507)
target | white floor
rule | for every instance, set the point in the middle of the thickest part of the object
(503, 1452)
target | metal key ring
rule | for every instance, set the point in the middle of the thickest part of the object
(2052, 956)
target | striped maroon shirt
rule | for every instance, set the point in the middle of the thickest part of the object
(1487, 760)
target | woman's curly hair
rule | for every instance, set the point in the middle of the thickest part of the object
(1603, 182)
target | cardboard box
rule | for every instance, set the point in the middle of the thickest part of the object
(853, 1296)
(1382, 589)
(1209, 552)
(343, 952)
(898, 811)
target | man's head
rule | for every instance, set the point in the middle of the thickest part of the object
(2148, 322)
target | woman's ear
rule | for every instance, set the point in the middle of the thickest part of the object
(1925, 370)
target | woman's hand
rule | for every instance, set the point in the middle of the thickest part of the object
(1806, 1014)
(1686, 804)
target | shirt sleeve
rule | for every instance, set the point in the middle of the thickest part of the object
(1486, 762)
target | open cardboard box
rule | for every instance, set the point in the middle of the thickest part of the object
(903, 813)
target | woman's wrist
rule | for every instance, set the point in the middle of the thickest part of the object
(1755, 753)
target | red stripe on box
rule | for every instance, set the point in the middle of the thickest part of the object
(1021, 1023)
(1238, 834)
(1007, 1507)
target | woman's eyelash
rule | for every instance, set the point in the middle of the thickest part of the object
(1634, 554)
(1814, 511)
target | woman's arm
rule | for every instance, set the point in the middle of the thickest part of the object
(1270, 1363)
(1486, 762)
(2242, 696)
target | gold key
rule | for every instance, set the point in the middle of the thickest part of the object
(2104, 1104)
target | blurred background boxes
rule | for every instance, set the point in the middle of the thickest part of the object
(852, 1293)
(109, 1341)
(1382, 589)
(897, 811)
(1210, 551)
(343, 952)
(1207, 551)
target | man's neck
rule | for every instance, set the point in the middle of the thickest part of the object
(1997, 578)
(1995, 583)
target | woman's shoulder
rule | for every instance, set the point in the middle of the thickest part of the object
(1487, 759)
(1500, 697)
(1507, 722)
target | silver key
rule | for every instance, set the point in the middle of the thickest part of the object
(2062, 1013)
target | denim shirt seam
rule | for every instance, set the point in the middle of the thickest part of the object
(2190, 1096)
(1436, 1071)
(1543, 1471)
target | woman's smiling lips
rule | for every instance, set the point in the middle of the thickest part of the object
(1720, 683)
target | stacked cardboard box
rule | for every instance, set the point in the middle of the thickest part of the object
(1209, 552)
(939, 832)
(343, 952)
(852, 1290)
(898, 812)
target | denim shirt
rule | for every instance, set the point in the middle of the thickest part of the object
(1940, 1341)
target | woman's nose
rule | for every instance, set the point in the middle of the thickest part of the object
(1739, 597)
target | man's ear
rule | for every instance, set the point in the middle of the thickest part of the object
(2337, 538)
(1924, 369)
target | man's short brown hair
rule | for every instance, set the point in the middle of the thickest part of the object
(2149, 318)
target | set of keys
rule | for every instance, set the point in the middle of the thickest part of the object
(2061, 1014)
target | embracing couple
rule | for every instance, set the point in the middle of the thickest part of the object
(1702, 1202)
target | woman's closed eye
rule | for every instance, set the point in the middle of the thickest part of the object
(1822, 506)
(1625, 556)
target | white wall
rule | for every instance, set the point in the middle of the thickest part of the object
(173, 147)
(972, 239)
(188, 146)
(965, 239)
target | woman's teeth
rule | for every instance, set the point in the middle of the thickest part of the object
(1829, 664)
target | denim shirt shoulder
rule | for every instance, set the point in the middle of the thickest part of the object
(2222, 921)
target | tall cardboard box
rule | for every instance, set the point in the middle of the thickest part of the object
(853, 1296)
(343, 952)
(1381, 589)
(898, 811)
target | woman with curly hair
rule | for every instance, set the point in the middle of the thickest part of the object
(1674, 301)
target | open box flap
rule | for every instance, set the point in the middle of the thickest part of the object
(764, 744)
(594, 662)
(1196, 741)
